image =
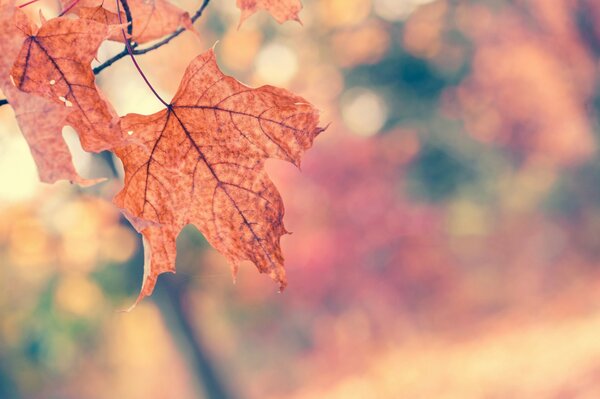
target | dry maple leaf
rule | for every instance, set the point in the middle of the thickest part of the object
(281, 10)
(151, 19)
(54, 62)
(200, 161)
(40, 120)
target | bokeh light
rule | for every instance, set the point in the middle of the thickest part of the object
(18, 175)
(276, 63)
(364, 111)
(397, 10)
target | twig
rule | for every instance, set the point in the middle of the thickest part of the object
(111, 60)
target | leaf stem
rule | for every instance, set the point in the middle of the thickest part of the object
(28, 3)
(69, 7)
(130, 50)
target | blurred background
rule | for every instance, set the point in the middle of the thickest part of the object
(446, 226)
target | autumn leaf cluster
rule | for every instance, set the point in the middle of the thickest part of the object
(200, 160)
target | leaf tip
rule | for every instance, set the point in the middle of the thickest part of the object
(244, 16)
(234, 271)
(282, 286)
(88, 182)
(277, 274)
(320, 130)
(43, 19)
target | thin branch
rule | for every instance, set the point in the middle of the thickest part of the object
(111, 61)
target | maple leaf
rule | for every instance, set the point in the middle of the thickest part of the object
(281, 10)
(151, 19)
(201, 161)
(40, 120)
(54, 62)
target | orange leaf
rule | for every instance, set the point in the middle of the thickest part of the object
(201, 161)
(40, 120)
(54, 63)
(281, 10)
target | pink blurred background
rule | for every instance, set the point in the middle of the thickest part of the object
(446, 226)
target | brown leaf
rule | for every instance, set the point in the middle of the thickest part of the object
(201, 161)
(152, 19)
(281, 10)
(40, 120)
(54, 62)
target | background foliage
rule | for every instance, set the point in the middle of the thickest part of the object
(446, 227)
